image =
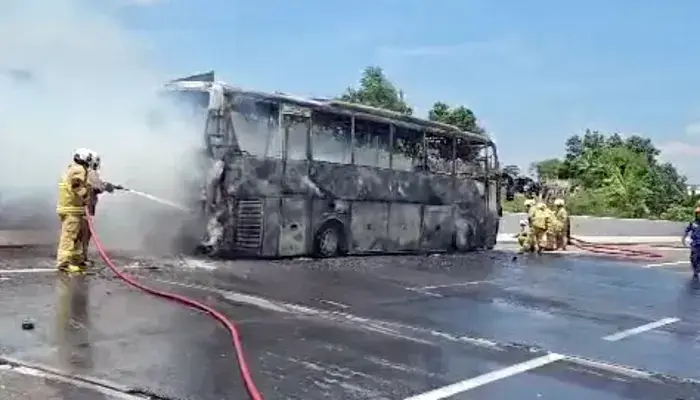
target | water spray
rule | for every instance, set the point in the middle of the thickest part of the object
(153, 198)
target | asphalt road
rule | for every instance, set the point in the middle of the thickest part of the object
(477, 326)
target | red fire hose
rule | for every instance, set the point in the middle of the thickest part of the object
(615, 250)
(253, 392)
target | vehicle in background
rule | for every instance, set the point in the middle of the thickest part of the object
(290, 176)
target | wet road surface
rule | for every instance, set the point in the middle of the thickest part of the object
(477, 326)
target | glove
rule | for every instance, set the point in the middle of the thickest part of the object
(109, 188)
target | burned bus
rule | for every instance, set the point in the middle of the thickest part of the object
(291, 176)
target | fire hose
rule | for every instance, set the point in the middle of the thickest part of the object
(615, 250)
(251, 389)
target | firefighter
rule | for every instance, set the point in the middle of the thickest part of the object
(552, 228)
(529, 208)
(563, 224)
(74, 192)
(98, 186)
(540, 223)
(523, 237)
(692, 232)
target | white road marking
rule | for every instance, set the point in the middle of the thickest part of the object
(667, 263)
(470, 283)
(334, 303)
(46, 374)
(640, 329)
(424, 292)
(481, 380)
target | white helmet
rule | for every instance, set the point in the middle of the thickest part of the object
(523, 222)
(83, 156)
(96, 161)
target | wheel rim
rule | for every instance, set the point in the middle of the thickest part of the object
(328, 242)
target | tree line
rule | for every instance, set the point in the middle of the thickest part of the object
(608, 175)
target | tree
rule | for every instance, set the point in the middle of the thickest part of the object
(461, 117)
(377, 90)
(619, 176)
(546, 169)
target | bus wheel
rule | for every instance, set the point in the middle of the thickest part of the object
(329, 240)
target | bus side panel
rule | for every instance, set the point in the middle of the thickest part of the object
(438, 228)
(334, 180)
(409, 186)
(439, 189)
(293, 230)
(374, 183)
(271, 228)
(404, 227)
(250, 177)
(369, 226)
(296, 178)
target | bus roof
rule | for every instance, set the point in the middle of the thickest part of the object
(202, 82)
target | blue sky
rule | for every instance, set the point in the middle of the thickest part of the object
(534, 72)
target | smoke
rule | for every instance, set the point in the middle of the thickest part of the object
(72, 76)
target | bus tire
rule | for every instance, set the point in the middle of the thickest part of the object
(329, 240)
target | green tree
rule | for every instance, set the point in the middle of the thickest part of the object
(547, 169)
(461, 117)
(619, 176)
(377, 90)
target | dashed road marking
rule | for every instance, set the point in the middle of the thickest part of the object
(663, 264)
(334, 303)
(481, 380)
(448, 285)
(640, 329)
(424, 292)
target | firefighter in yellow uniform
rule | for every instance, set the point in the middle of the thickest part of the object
(74, 193)
(551, 232)
(523, 238)
(529, 209)
(540, 222)
(562, 222)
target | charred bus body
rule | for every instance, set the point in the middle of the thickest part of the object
(290, 176)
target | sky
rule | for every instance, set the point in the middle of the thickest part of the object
(534, 72)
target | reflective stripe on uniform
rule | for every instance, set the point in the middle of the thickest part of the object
(70, 210)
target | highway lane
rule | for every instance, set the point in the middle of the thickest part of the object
(478, 326)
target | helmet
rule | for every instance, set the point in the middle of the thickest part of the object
(83, 156)
(523, 222)
(541, 206)
(529, 203)
(559, 202)
(95, 161)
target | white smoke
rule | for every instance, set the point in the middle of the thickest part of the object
(72, 76)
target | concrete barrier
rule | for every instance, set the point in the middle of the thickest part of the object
(604, 226)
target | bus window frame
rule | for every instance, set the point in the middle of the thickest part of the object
(423, 155)
(353, 135)
(453, 152)
(295, 111)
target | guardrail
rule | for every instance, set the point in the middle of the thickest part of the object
(604, 226)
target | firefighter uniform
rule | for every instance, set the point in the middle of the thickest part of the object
(73, 196)
(563, 223)
(541, 221)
